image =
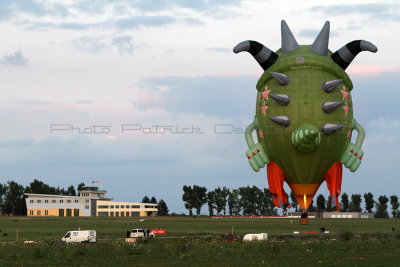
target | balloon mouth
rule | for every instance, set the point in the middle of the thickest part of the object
(304, 193)
(306, 138)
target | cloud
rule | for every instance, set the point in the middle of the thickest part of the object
(90, 44)
(371, 69)
(123, 15)
(313, 33)
(15, 59)
(137, 21)
(12, 9)
(64, 25)
(388, 11)
(219, 49)
(124, 44)
(375, 95)
(85, 102)
(226, 96)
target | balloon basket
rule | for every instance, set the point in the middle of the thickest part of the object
(304, 221)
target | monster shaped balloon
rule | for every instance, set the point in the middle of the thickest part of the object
(304, 116)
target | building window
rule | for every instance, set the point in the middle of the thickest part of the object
(31, 212)
(87, 207)
(76, 201)
(111, 214)
(39, 212)
(133, 213)
(122, 206)
(122, 214)
(31, 201)
(149, 206)
(53, 201)
(69, 201)
(39, 201)
(117, 214)
(112, 206)
(87, 200)
(103, 207)
(46, 212)
(117, 206)
(46, 201)
(61, 201)
(103, 214)
(135, 206)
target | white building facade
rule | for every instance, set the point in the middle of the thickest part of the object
(90, 202)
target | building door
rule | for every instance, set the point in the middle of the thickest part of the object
(76, 212)
(61, 212)
(69, 212)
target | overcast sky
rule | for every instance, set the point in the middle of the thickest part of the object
(127, 66)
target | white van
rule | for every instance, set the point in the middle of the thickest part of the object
(80, 236)
(141, 233)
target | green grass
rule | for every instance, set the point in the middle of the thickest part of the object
(31, 228)
(351, 242)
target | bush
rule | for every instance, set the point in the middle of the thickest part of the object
(346, 235)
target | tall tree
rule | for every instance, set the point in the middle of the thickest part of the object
(321, 202)
(369, 202)
(234, 202)
(329, 204)
(224, 196)
(187, 197)
(219, 200)
(355, 203)
(199, 198)
(162, 208)
(153, 200)
(249, 199)
(146, 200)
(268, 203)
(394, 201)
(80, 186)
(14, 202)
(345, 202)
(381, 207)
(294, 201)
(311, 208)
(259, 200)
(3, 190)
(71, 191)
(38, 187)
(211, 202)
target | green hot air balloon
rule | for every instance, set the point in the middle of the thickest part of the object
(304, 115)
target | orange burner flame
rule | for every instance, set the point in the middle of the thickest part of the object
(304, 193)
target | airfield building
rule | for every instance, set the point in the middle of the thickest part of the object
(333, 215)
(90, 202)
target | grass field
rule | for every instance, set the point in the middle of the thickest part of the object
(195, 242)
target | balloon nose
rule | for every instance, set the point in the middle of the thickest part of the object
(306, 138)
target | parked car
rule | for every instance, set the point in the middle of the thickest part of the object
(80, 236)
(141, 233)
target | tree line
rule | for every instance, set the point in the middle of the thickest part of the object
(255, 201)
(242, 201)
(162, 206)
